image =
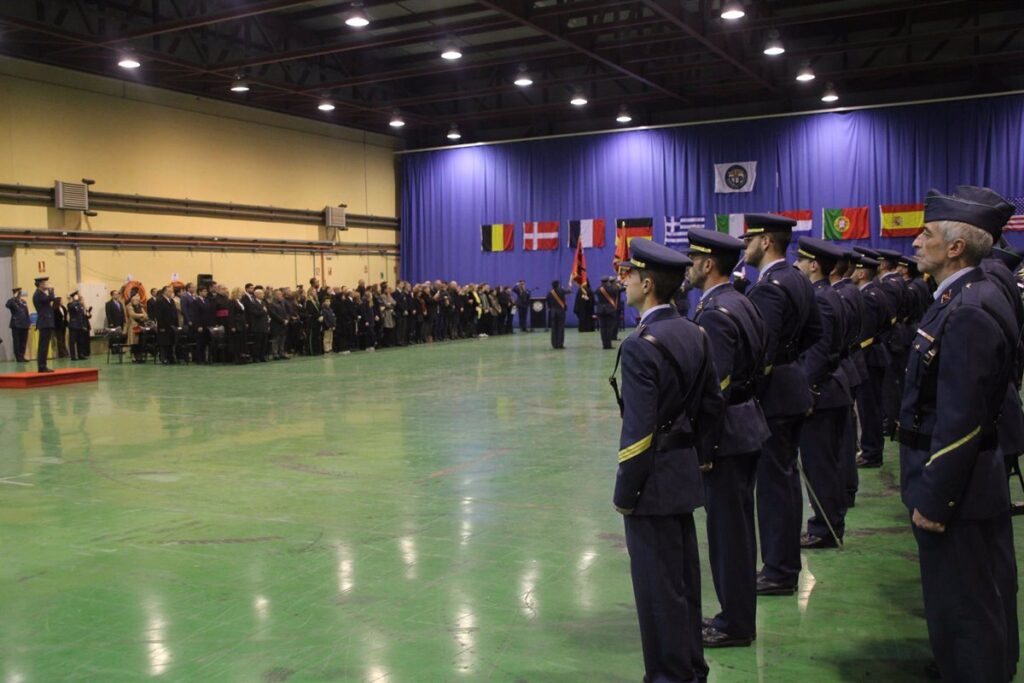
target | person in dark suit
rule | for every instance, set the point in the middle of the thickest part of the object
(78, 327)
(522, 295)
(278, 313)
(202, 321)
(114, 310)
(952, 477)
(737, 338)
(584, 307)
(166, 324)
(786, 303)
(823, 430)
(557, 297)
(670, 395)
(879, 313)
(42, 301)
(260, 326)
(236, 328)
(20, 324)
(607, 306)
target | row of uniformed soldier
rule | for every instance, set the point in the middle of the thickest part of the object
(791, 360)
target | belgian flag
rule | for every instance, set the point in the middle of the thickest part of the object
(496, 237)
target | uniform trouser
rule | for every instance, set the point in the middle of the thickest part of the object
(524, 317)
(402, 329)
(892, 391)
(43, 349)
(848, 456)
(820, 453)
(732, 542)
(557, 329)
(780, 502)
(665, 566)
(20, 339)
(869, 408)
(968, 577)
(608, 324)
(79, 343)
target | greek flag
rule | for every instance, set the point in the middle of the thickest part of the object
(677, 230)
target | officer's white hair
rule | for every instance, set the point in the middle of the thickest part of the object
(977, 242)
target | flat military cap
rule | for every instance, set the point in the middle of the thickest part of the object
(760, 223)
(818, 250)
(703, 241)
(862, 260)
(870, 253)
(1008, 255)
(648, 255)
(16, 290)
(977, 206)
(889, 255)
(40, 280)
(73, 293)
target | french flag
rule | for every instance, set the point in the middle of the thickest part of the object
(590, 231)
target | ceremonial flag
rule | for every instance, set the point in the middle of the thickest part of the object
(846, 224)
(1017, 219)
(736, 176)
(579, 265)
(902, 220)
(730, 224)
(496, 237)
(540, 235)
(677, 230)
(803, 219)
(628, 229)
(588, 230)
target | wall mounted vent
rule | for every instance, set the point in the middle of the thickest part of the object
(71, 196)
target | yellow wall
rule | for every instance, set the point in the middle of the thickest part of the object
(62, 125)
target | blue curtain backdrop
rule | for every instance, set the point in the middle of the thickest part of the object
(834, 160)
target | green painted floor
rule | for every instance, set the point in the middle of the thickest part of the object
(440, 513)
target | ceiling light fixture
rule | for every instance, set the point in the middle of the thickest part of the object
(523, 79)
(129, 62)
(451, 52)
(731, 11)
(623, 116)
(357, 18)
(578, 100)
(453, 133)
(830, 94)
(326, 105)
(396, 121)
(239, 85)
(774, 46)
(805, 74)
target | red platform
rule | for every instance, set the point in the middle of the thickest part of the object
(29, 380)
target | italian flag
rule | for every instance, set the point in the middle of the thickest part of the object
(846, 224)
(902, 220)
(803, 219)
(730, 224)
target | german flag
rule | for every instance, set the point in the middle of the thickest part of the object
(496, 237)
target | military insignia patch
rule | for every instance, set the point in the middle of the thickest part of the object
(946, 296)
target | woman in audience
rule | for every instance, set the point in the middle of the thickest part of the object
(235, 327)
(134, 325)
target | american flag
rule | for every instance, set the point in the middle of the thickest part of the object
(1017, 219)
(677, 229)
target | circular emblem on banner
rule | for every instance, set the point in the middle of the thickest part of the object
(842, 224)
(897, 220)
(736, 177)
(538, 306)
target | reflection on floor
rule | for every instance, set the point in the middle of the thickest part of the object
(432, 514)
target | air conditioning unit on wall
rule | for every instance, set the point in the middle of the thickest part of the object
(334, 217)
(71, 196)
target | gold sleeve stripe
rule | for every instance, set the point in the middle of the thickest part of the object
(953, 446)
(867, 342)
(636, 449)
(725, 383)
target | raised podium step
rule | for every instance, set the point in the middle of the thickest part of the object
(30, 380)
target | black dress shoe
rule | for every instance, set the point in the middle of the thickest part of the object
(45, 370)
(712, 637)
(766, 587)
(865, 464)
(707, 622)
(812, 542)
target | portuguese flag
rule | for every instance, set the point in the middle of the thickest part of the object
(902, 220)
(496, 237)
(846, 224)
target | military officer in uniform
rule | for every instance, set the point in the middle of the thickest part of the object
(853, 365)
(20, 324)
(737, 336)
(823, 430)
(42, 301)
(897, 342)
(557, 297)
(670, 395)
(953, 480)
(786, 303)
(878, 317)
(607, 311)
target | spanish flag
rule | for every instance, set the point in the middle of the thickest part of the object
(902, 220)
(496, 237)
